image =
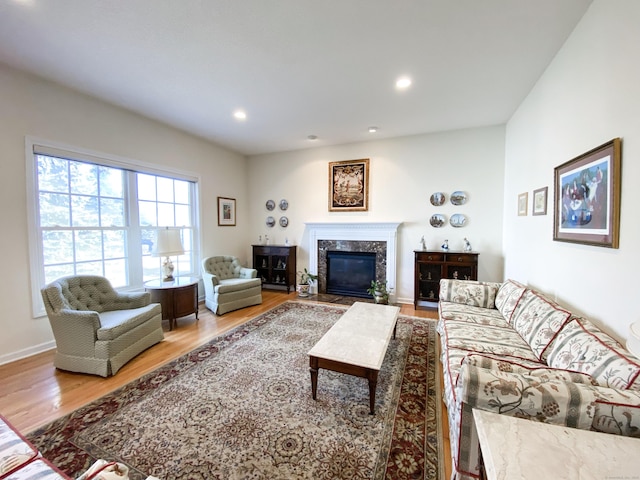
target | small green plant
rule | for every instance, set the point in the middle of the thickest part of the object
(379, 291)
(307, 277)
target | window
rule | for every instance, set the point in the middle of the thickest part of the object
(93, 216)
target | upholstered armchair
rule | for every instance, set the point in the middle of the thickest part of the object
(229, 286)
(97, 329)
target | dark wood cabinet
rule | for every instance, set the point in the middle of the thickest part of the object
(276, 265)
(432, 266)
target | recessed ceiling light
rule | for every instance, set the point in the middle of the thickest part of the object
(373, 129)
(403, 83)
(240, 115)
(312, 137)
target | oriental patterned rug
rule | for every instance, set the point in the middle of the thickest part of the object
(240, 407)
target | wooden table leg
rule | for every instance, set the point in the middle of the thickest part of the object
(372, 376)
(313, 368)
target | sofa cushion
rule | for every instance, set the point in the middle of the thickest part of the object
(538, 320)
(467, 313)
(617, 412)
(508, 297)
(486, 339)
(469, 292)
(518, 365)
(583, 347)
(15, 450)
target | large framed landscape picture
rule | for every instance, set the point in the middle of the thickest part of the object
(587, 197)
(349, 186)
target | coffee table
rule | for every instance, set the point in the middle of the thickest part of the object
(356, 345)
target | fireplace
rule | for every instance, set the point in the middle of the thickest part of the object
(350, 273)
(368, 237)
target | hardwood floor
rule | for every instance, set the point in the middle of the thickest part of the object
(33, 392)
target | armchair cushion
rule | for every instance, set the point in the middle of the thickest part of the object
(117, 322)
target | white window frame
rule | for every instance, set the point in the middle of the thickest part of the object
(56, 149)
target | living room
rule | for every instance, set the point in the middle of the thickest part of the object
(588, 95)
(584, 99)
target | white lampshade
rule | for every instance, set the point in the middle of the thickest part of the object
(168, 243)
(633, 342)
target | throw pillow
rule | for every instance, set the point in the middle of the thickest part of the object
(508, 297)
(538, 320)
(469, 292)
(583, 347)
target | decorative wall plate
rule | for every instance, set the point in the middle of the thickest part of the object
(458, 220)
(458, 198)
(438, 220)
(284, 204)
(271, 221)
(437, 199)
(270, 205)
(284, 221)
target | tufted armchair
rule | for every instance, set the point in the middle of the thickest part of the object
(229, 286)
(97, 329)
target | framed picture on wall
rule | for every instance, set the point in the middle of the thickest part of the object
(523, 201)
(540, 201)
(587, 197)
(349, 186)
(226, 212)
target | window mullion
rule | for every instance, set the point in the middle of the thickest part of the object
(134, 234)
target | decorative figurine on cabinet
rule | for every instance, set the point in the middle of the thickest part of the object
(423, 244)
(445, 246)
(467, 245)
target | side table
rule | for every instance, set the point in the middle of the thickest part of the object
(514, 447)
(178, 298)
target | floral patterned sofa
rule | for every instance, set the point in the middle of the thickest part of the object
(508, 349)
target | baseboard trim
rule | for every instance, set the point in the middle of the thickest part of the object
(27, 352)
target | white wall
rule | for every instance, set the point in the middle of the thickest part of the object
(404, 172)
(588, 95)
(31, 106)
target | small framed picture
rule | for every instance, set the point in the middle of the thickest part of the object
(226, 212)
(523, 201)
(540, 201)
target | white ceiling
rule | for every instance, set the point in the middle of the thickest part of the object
(297, 67)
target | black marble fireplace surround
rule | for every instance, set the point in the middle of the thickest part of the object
(377, 247)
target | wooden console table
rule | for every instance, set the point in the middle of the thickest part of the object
(178, 298)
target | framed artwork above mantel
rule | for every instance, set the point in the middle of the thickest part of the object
(349, 186)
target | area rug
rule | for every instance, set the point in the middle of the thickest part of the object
(240, 407)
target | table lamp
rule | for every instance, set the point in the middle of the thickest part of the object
(168, 244)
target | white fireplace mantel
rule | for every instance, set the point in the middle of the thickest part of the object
(361, 231)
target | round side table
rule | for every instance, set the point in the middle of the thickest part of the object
(178, 298)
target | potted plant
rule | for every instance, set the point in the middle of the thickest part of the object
(379, 292)
(306, 280)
